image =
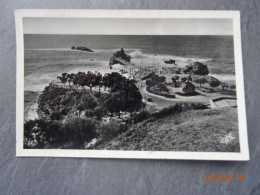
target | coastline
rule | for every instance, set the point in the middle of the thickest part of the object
(71, 102)
(36, 81)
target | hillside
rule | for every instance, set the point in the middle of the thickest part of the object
(196, 130)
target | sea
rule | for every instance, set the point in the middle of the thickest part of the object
(47, 56)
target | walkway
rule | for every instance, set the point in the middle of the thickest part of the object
(124, 62)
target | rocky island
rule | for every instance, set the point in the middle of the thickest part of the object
(171, 61)
(121, 55)
(81, 48)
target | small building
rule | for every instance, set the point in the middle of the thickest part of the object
(222, 102)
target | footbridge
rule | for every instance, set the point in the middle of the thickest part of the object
(124, 62)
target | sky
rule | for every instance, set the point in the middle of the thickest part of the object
(128, 26)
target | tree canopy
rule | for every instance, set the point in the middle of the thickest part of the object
(74, 132)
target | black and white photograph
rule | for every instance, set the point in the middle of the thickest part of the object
(130, 84)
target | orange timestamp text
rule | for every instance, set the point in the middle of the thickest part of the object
(225, 177)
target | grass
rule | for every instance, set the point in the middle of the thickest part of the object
(196, 130)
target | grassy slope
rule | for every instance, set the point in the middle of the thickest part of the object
(200, 130)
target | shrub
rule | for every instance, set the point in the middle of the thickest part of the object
(92, 104)
(141, 116)
(108, 131)
(55, 116)
(89, 113)
(200, 80)
(148, 88)
(188, 88)
(78, 130)
(177, 108)
(39, 133)
(169, 110)
(199, 106)
(43, 134)
(214, 83)
(99, 112)
(161, 87)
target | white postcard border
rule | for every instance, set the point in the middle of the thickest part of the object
(243, 155)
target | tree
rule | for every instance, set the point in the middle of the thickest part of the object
(111, 79)
(162, 87)
(200, 80)
(81, 81)
(174, 81)
(162, 79)
(155, 79)
(92, 103)
(214, 83)
(98, 81)
(188, 88)
(63, 78)
(105, 81)
(148, 82)
(76, 80)
(78, 130)
(90, 80)
(132, 97)
(89, 113)
(80, 108)
(55, 116)
(223, 86)
(124, 96)
(189, 79)
(39, 133)
(129, 99)
(99, 112)
(114, 103)
(70, 77)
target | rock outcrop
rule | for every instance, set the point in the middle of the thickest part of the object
(200, 69)
(82, 48)
(187, 69)
(119, 54)
(197, 69)
(171, 61)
